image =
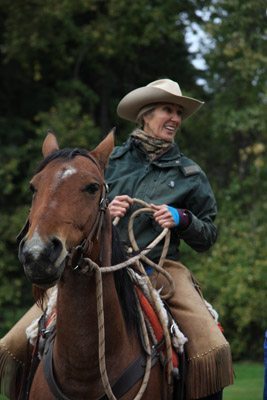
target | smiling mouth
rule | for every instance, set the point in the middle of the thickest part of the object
(170, 128)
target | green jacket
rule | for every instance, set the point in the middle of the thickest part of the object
(172, 179)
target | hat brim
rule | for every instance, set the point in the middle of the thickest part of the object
(130, 105)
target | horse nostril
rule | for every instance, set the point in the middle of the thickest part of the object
(56, 242)
(55, 248)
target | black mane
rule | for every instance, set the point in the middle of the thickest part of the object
(123, 283)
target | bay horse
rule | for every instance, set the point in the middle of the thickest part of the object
(69, 218)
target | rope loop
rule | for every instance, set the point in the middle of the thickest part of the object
(90, 266)
(142, 255)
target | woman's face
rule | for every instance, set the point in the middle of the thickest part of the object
(164, 121)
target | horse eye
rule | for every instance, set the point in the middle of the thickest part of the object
(32, 189)
(91, 188)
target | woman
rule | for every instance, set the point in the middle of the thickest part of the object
(150, 166)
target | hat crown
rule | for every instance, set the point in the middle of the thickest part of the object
(159, 91)
(167, 85)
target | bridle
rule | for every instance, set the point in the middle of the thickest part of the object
(76, 255)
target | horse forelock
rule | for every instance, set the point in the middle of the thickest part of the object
(65, 154)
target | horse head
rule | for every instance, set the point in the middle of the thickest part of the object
(68, 192)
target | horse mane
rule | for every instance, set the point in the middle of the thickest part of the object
(123, 284)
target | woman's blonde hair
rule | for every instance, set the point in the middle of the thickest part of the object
(144, 111)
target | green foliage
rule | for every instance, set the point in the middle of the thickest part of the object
(64, 66)
(233, 274)
(236, 77)
(233, 128)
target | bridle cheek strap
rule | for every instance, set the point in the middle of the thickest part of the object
(100, 228)
(105, 240)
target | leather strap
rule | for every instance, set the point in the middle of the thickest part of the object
(76, 256)
(132, 375)
(127, 380)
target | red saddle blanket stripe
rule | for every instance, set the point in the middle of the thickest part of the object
(154, 321)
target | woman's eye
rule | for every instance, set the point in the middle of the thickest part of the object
(91, 188)
(168, 110)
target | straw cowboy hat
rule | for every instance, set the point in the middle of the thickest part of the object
(160, 91)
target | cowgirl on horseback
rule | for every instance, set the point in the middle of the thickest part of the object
(151, 167)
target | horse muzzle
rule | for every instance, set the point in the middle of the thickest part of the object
(43, 263)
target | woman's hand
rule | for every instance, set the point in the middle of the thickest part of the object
(163, 216)
(119, 205)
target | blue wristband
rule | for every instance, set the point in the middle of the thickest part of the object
(175, 215)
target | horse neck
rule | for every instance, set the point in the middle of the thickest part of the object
(76, 346)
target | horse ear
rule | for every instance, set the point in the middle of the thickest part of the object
(50, 144)
(104, 149)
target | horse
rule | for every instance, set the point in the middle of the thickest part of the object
(68, 223)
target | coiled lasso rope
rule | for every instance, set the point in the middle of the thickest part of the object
(93, 267)
(89, 265)
(159, 268)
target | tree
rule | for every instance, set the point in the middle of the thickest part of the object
(235, 271)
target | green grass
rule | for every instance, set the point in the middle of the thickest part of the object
(248, 383)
